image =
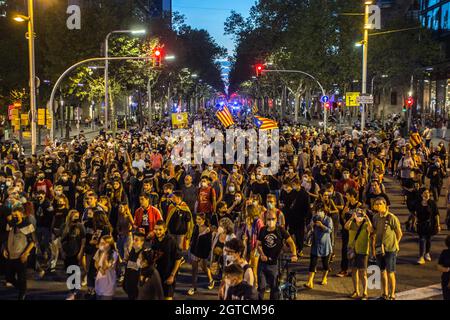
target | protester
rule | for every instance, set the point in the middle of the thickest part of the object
(444, 267)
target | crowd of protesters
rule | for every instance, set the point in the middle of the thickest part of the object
(121, 211)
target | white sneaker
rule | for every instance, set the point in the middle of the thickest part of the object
(427, 257)
(421, 261)
(9, 284)
(71, 296)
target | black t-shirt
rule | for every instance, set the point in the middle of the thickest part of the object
(71, 241)
(44, 214)
(272, 242)
(444, 260)
(168, 253)
(242, 291)
(178, 223)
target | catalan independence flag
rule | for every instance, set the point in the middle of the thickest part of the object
(265, 123)
(225, 117)
(255, 107)
(415, 139)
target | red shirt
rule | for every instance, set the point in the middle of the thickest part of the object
(205, 200)
(156, 160)
(146, 219)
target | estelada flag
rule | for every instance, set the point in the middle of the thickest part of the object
(255, 107)
(180, 120)
(265, 123)
(225, 117)
(415, 139)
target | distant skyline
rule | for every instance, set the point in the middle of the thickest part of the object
(211, 15)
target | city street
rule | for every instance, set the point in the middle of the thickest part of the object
(413, 280)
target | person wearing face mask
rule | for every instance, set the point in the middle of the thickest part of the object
(272, 206)
(61, 207)
(44, 212)
(385, 241)
(235, 178)
(436, 173)
(229, 196)
(270, 243)
(206, 199)
(222, 213)
(68, 187)
(360, 229)
(133, 263)
(199, 251)
(106, 259)
(73, 241)
(17, 249)
(179, 221)
(166, 199)
(216, 185)
(322, 226)
(189, 192)
(427, 224)
(238, 288)
(346, 183)
(260, 187)
(43, 184)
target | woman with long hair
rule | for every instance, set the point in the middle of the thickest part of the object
(73, 242)
(253, 225)
(118, 197)
(61, 204)
(124, 228)
(106, 259)
(199, 251)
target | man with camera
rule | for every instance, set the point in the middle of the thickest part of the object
(386, 238)
(359, 228)
(17, 249)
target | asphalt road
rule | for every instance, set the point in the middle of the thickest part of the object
(410, 275)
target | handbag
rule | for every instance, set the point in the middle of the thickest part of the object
(351, 253)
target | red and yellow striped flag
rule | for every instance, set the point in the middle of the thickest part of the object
(265, 123)
(415, 139)
(225, 117)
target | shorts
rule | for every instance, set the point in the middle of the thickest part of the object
(360, 261)
(387, 262)
(168, 290)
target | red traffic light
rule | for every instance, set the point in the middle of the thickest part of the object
(157, 57)
(327, 105)
(157, 52)
(259, 69)
(409, 102)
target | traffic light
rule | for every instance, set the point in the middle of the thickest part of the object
(157, 56)
(259, 69)
(327, 105)
(409, 102)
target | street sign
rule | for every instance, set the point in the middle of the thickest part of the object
(24, 119)
(351, 99)
(41, 116)
(365, 99)
(325, 99)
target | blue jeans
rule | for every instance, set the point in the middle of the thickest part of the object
(424, 245)
(268, 276)
(122, 241)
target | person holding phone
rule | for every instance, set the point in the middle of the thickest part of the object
(359, 228)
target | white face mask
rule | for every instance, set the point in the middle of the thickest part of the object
(8, 183)
(271, 223)
(346, 176)
(238, 199)
(270, 205)
(220, 230)
(204, 184)
(58, 193)
(231, 189)
(235, 170)
(258, 177)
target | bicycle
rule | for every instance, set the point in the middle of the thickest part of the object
(288, 288)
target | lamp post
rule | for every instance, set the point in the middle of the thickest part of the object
(365, 44)
(106, 71)
(32, 70)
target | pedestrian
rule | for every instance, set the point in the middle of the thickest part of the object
(106, 259)
(179, 221)
(150, 283)
(360, 229)
(73, 242)
(428, 224)
(444, 267)
(199, 251)
(167, 259)
(238, 289)
(133, 266)
(386, 238)
(322, 226)
(17, 249)
(270, 244)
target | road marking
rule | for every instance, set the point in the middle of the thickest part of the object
(420, 293)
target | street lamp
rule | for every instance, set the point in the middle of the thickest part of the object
(134, 32)
(32, 69)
